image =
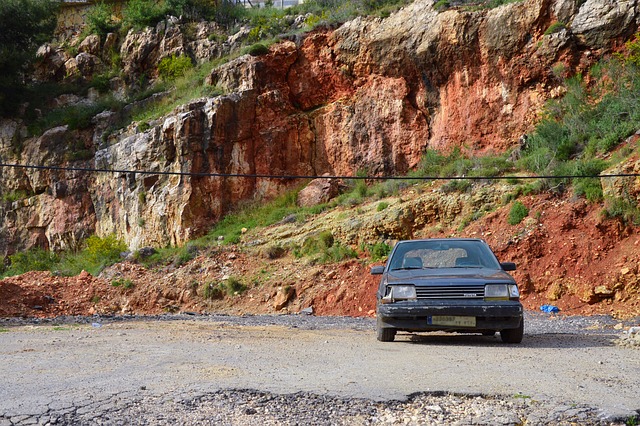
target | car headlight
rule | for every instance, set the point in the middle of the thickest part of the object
(496, 292)
(399, 292)
(501, 292)
(514, 293)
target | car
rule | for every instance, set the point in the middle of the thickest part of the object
(447, 284)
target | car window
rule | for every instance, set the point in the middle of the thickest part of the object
(443, 254)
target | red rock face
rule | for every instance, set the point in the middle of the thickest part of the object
(370, 96)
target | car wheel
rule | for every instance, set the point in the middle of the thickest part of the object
(386, 334)
(513, 335)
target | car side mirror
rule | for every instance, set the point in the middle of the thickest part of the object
(508, 266)
(377, 270)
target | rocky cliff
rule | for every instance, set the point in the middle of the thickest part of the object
(369, 95)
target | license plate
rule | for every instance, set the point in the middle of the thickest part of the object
(452, 321)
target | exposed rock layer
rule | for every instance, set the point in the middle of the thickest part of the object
(371, 95)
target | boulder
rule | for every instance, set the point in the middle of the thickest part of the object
(621, 187)
(91, 45)
(51, 63)
(319, 191)
(600, 21)
(71, 68)
(564, 10)
(110, 44)
(283, 297)
(88, 64)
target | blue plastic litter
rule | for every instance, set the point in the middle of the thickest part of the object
(549, 309)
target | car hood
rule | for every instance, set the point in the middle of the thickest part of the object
(450, 276)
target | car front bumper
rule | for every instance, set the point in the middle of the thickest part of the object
(416, 315)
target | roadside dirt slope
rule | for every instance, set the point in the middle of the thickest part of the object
(568, 255)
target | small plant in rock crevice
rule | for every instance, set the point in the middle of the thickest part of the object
(124, 283)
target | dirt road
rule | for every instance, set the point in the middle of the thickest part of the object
(54, 370)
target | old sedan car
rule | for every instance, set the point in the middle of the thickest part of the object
(453, 285)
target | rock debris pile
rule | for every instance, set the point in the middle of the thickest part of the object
(630, 338)
(246, 407)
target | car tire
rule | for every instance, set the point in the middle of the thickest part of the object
(513, 335)
(386, 334)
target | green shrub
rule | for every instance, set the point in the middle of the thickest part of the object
(589, 121)
(441, 5)
(101, 83)
(100, 19)
(626, 211)
(253, 215)
(379, 251)
(633, 51)
(382, 205)
(326, 239)
(25, 25)
(517, 213)
(187, 252)
(13, 196)
(107, 249)
(457, 185)
(174, 66)
(496, 3)
(390, 187)
(98, 254)
(317, 244)
(257, 49)
(193, 9)
(313, 20)
(362, 189)
(212, 291)
(233, 286)
(434, 164)
(36, 259)
(123, 282)
(274, 251)
(143, 13)
(556, 27)
(323, 247)
(589, 187)
(77, 117)
(337, 253)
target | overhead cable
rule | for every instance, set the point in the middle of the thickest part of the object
(287, 177)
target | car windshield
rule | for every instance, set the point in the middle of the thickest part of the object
(443, 254)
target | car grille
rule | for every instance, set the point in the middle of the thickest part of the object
(467, 292)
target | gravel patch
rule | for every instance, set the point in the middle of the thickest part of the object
(249, 407)
(175, 405)
(535, 322)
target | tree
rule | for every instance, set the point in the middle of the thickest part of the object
(24, 25)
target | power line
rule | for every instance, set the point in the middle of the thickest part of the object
(287, 177)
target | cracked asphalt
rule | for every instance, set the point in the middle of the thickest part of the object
(107, 370)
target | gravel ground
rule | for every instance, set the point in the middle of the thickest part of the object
(536, 322)
(186, 402)
(249, 407)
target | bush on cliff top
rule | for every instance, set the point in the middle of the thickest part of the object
(25, 25)
(101, 19)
